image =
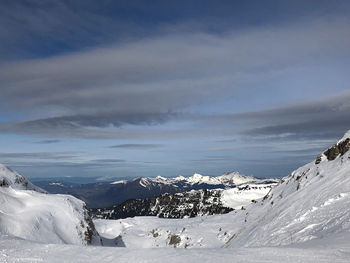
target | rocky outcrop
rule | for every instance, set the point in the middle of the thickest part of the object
(333, 152)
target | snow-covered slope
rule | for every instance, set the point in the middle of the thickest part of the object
(37, 216)
(311, 203)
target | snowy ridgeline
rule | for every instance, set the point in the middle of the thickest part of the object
(228, 179)
(107, 194)
(308, 211)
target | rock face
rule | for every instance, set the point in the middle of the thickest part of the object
(340, 148)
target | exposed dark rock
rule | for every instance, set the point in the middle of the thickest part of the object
(337, 149)
(318, 159)
(4, 182)
(90, 231)
(179, 205)
(174, 240)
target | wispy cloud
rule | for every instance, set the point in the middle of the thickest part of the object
(47, 141)
(187, 70)
(137, 146)
(38, 155)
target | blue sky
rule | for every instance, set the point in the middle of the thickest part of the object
(146, 88)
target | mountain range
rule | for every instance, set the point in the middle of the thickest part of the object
(188, 204)
(107, 194)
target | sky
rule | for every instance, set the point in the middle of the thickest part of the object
(121, 89)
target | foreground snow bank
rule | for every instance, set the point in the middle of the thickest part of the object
(12, 250)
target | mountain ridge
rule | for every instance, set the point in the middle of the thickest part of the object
(107, 194)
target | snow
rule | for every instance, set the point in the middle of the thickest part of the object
(119, 182)
(236, 198)
(14, 250)
(58, 184)
(229, 180)
(305, 218)
(311, 203)
(346, 136)
(10, 178)
(42, 217)
(38, 216)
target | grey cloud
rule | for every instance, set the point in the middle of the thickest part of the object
(316, 119)
(308, 151)
(85, 126)
(167, 72)
(47, 141)
(155, 80)
(136, 146)
(38, 155)
(319, 119)
(328, 118)
(101, 120)
(104, 161)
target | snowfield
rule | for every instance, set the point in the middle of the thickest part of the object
(305, 218)
(13, 250)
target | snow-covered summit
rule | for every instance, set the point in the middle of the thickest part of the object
(10, 178)
(230, 179)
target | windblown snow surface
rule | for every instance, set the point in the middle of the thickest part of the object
(305, 218)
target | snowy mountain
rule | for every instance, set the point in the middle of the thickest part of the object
(27, 212)
(106, 194)
(187, 204)
(308, 208)
(230, 179)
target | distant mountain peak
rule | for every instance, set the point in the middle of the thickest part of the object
(229, 179)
